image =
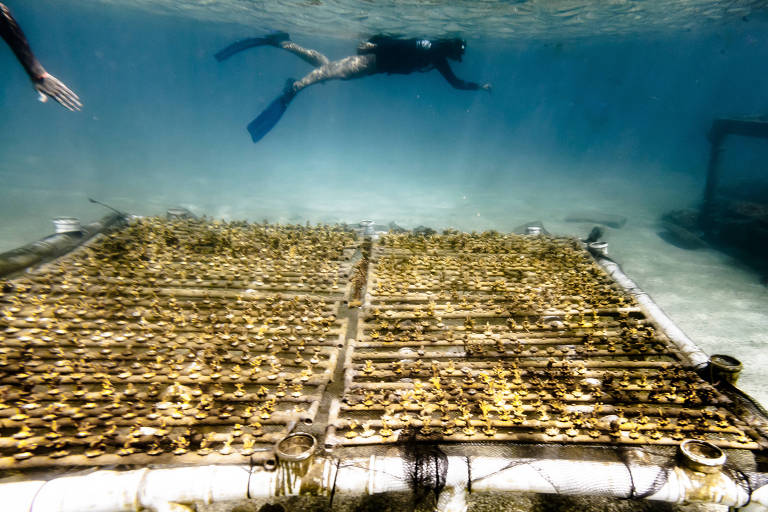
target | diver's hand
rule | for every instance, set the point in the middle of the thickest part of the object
(486, 87)
(50, 86)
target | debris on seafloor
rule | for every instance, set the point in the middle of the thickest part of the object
(681, 237)
(423, 231)
(395, 228)
(682, 229)
(522, 229)
(606, 219)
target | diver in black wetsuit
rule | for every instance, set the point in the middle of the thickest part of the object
(383, 54)
(379, 54)
(45, 83)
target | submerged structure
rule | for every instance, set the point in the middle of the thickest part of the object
(204, 361)
(734, 213)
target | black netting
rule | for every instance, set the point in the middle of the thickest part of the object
(638, 488)
(747, 480)
(645, 472)
(635, 483)
(426, 467)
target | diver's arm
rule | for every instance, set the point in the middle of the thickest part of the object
(45, 83)
(13, 35)
(445, 69)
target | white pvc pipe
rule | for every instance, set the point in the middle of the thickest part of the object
(20, 495)
(166, 490)
(495, 474)
(454, 496)
(759, 501)
(695, 355)
(605, 478)
(158, 489)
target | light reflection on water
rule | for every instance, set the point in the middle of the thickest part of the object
(484, 18)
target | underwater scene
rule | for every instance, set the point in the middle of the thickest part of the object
(645, 118)
(593, 107)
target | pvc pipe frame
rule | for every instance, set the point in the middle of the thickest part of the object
(155, 489)
(52, 246)
(165, 490)
(500, 475)
(697, 357)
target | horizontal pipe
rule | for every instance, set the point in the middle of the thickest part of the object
(759, 501)
(52, 246)
(159, 489)
(498, 475)
(156, 489)
(607, 479)
(696, 356)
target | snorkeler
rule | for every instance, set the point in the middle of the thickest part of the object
(45, 83)
(379, 54)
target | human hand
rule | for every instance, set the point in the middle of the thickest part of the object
(486, 87)
(50, 86)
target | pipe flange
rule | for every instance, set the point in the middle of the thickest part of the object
(725, 367)
(367, 227)
(296, 447)
(702, 456)
(600, 248)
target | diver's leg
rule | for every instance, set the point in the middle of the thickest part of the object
(352, 67)
(348, 68)
(313, 57)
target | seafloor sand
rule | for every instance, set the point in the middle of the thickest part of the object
(718, 303)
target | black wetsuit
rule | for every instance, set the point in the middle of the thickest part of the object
(46, 84)
(12, 34)
(404, 56)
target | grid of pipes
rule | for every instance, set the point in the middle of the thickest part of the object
(192, 341)
(188, 341)
(489, 337)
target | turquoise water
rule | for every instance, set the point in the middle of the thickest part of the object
(595, 105)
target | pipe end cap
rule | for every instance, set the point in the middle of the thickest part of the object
(701, 456)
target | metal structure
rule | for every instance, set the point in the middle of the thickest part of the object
(489, 363)
(65, 240)
(166, 343)
(508, 338)
(720, 130)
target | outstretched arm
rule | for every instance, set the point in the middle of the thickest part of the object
(11, 32)
(445, 69)
(46, 84)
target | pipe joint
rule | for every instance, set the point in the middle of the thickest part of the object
(598, 248)
(297, 472)
(725, 368)
(701, 456)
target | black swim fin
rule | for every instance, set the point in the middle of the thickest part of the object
(272, 39)
(267, 120)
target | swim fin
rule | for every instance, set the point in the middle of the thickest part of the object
(267, 120)
(272, 39)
